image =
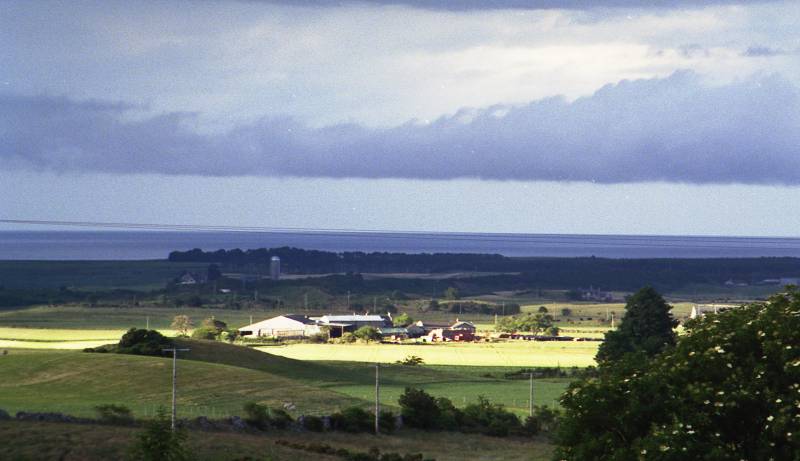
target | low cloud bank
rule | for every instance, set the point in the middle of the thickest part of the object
(672, 129)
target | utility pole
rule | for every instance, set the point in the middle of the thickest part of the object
(377, 398)
(530, 397)
(147, 327)
(612, 320)
(174, 380)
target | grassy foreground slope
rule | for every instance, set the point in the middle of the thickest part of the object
(216, 379)
(51, 441)
(74, 382)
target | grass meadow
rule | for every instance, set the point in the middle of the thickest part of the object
(51, 441)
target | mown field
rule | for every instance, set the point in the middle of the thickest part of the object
(219, 379)
(28, 441)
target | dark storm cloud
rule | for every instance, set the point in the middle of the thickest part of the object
(673, 129)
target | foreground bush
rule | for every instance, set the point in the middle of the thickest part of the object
(157, 442)
(114, 414)
(727, 390)
(263, 417)
(353, 419)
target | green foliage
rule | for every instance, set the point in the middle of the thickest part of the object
(205, 333)
(257, 415)
(348, 338)
(647, 326)
(182, 324)
(536, 323)
(367, 333)
(490, 419)
(727, 390)
(313, 423)
(542, 310)
(411, 361)
(143, 342)
(157, 442)
(353, 419)
(403, 320)
(419, 409)
(215, 324)
(386, 422)
(566, 312)
(114, 414)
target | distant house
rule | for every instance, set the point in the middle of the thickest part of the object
(461, 325)
(283, 326)
(427, 327)
(188, 278)
(595, 294)
(446, 334)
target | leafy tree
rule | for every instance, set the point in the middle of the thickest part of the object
(403, 320)
(566, 312)
(143, 342)
(182, 324)
(213, 273)
(157, 442)
(419, 409)
(647, 326)
(542, 310)
(727, 390)
(451, 293)
(367, 333)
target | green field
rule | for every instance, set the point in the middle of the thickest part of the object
(219, 378)
(25, 441)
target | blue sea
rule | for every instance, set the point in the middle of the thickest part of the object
(140, 245)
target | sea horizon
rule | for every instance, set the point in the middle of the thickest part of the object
(107, 244)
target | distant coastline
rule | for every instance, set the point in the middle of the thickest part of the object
(148, 245)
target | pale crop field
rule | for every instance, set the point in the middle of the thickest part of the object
(58, 338)
(511, 353)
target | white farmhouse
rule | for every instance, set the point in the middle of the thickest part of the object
(283, 326)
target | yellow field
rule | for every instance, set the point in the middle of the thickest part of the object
(54, 338)
(511, 353)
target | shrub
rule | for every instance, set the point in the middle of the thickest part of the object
(348, 338)
(318, 338)
(367, 333)
(387, 422)
(450, 417)
(158, 442)
(490, 419)
(353, 419)
(280, 418)
(143, 342)
(257, 415)
(204, 333)
(114, 414)
(313, 423)
(411, 361)
(419, 409)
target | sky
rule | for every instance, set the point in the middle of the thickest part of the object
(556, 116)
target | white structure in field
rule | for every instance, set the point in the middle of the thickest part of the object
(275, 268)
(283, 326)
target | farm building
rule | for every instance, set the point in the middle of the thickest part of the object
(283, 326)
(393, 333)
(446, 334)
(354, 322)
